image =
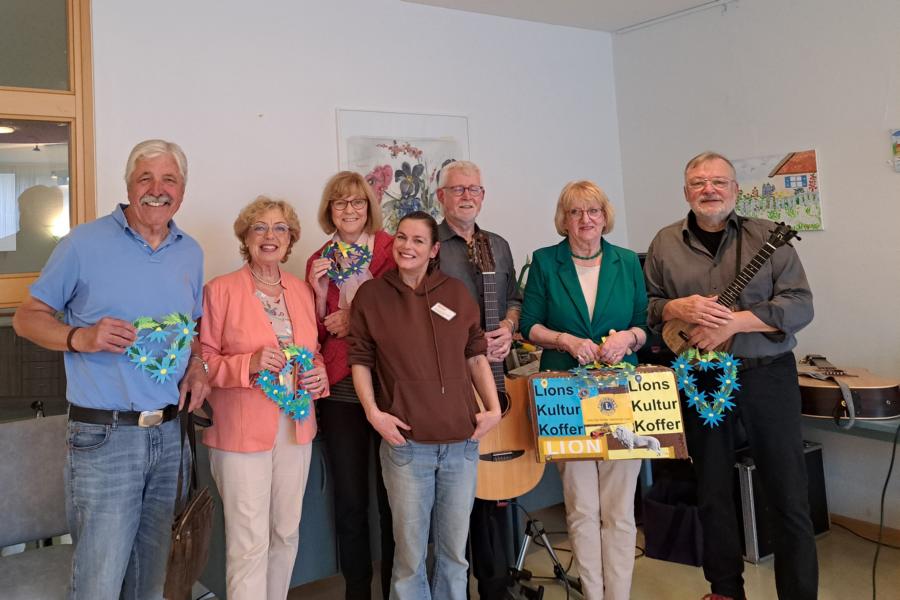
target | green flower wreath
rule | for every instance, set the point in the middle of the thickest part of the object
(171, 336)
(296, 405)
(358, 255)
(711, 407)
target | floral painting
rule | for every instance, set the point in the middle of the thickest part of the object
(402, 168)
(781, 188)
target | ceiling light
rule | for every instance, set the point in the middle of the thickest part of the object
(7, 129)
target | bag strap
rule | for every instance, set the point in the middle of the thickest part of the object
(187, 430)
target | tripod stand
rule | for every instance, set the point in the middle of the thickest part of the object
(534, 531)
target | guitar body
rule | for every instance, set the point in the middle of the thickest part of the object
(507, 465)
(874, 398)
(676, 334)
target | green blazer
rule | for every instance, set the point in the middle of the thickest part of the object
(553, 298)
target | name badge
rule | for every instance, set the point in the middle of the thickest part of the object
(443, 311)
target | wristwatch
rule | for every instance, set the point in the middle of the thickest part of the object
(202, 362)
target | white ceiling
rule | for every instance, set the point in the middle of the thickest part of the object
(602, 15)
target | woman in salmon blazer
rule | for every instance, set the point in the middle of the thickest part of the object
(253, 319)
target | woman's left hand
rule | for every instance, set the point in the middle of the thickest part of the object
(314, 381)
(485, 421)
(338, 322)
(616, 347)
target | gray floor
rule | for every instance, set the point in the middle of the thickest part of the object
(845, 567)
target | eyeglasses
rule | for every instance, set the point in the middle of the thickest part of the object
(719, 183)
(355, 203)
(577, 213)
(278, 229)
(458, 190)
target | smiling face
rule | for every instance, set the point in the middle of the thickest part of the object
(155, 192)
(460, 211)
(268, 238)
(350, 220)
(711, 203)
(414, 247)
(585, 222)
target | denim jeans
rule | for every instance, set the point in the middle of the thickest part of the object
(121, 485)
(430, 485)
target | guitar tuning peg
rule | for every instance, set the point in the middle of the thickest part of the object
(798, 238)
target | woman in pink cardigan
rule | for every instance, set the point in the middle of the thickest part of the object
(259, 453)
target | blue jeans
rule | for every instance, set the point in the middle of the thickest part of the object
(121, 485)
(430, 484)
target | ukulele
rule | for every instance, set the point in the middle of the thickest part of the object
(676, 332)
(827, 391)
(507, 465)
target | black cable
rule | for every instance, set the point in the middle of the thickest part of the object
(862, 537)
(887, 479)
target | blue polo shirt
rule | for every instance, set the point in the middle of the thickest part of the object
(106, 269)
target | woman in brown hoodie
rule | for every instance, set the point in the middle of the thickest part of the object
(420, 330)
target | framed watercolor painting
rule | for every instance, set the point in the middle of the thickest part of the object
(401, 156)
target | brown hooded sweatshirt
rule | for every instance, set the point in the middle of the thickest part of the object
(419, 356)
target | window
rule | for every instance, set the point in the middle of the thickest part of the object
(46, 134)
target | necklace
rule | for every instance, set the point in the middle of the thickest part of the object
(591, 257)
(261, 280)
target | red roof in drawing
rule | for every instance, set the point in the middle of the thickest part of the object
(795, 163)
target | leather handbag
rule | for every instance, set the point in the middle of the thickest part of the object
(192, 527)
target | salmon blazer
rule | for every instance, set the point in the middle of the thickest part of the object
(234, 326)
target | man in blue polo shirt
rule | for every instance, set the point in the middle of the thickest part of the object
(125, 383)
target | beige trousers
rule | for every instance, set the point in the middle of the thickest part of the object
(262, 495)
(600, 515)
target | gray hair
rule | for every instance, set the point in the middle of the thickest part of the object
(705, 157)
(152, 149)
(464, 166)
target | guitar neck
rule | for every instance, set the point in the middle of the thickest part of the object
(731, 294)
(492, 322)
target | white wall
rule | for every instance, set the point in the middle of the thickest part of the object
(250, 92)
(765, 77)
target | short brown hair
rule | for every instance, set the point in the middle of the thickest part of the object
(586, 191)
(342, 186)
(249, 215)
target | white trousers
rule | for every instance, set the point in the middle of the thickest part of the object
(599, 499)
(262, 496)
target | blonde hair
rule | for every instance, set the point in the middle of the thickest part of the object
(342, 186)
(251, 213)
(583, 191)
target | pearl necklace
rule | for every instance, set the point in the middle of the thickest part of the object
(263, 281)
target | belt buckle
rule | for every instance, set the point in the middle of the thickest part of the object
(150, 418)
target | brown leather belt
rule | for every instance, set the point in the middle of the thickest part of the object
(147, 418)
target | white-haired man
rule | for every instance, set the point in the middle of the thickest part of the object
(124, 386)
(461, 194)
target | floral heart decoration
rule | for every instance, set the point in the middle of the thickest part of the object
(356, 257)
(162, 345)
(295, 404)
(710, 406)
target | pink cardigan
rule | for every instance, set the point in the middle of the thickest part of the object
(234, 326)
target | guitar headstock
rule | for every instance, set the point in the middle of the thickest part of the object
(781, 235)
(480, 253)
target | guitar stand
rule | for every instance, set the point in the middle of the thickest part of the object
(519, 590)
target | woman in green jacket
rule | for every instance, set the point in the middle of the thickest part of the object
(572, 304)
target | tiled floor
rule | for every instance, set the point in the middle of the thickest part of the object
(845, 567)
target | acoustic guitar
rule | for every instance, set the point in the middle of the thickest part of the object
(507, 465)
(677, 333)
(845, 395)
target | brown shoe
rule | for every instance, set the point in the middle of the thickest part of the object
(716, 597)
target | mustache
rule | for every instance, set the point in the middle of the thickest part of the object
(164, 198)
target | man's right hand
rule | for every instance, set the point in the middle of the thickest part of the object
(106, 335)
(702, 310)
(388, 426)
